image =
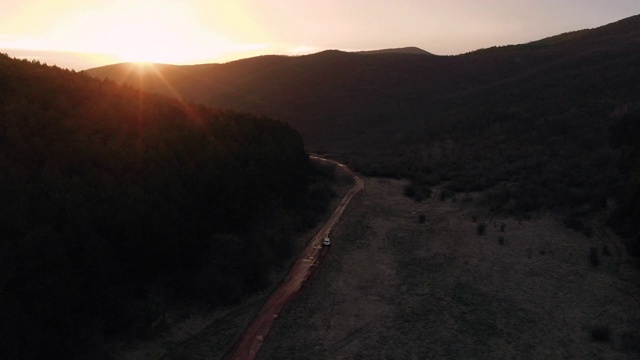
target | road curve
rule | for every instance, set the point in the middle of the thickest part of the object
(251, 340)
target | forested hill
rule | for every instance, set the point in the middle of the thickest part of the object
(545, 125)
(343, 101)
(112, 198)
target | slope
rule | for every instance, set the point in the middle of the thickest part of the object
(331, 95)
(532, 121)
(117, 203)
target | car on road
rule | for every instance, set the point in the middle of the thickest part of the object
(326, 242)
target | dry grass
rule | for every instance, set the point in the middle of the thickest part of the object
(393, 288)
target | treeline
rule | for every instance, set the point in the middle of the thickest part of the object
(626, 217)
(555, 130)
(581, 164)
(112, 197)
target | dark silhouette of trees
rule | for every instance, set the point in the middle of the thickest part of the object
(626, 216)
(108, 191)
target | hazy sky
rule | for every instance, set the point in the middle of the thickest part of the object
(85, 33)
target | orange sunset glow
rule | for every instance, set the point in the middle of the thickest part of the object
(80, 34)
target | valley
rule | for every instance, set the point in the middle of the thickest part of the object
(518, 162)
(395, 287)
(150, 210)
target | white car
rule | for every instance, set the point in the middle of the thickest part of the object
(326, 242)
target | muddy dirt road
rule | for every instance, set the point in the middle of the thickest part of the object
(251, 340)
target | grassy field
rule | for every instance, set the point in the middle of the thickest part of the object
(461, 283)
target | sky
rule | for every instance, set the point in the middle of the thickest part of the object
(81, 34)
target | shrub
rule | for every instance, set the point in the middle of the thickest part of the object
(456, 186)
(593, 257)
(480, 228)
(574, 222)
(422, 219)
(416, 191)
(601, 334)
(445, 194)
(410, 190)
(588, 231)
(633, 246)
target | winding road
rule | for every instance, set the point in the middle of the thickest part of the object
(251, 340)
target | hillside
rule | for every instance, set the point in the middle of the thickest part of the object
(404, 50)
(117, 204)
(330, 96)
(535, 122)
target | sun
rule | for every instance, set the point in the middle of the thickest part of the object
(143, 31)
(146, 49)
(147, 31)
(148, 34)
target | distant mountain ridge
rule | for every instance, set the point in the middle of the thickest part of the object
(320, 93)
(539, 116)
(403, 50)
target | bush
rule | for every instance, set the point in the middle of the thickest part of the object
(446, 194)
(410, 190)
(593, 257)
(574, 222)
(416, 191)
(601, 334)
(480, 228)
(633, 246)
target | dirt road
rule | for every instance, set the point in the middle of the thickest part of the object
(251, 340)
(404, 288)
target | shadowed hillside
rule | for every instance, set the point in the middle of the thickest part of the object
(533, 122)
(329, 96)
(117, 204)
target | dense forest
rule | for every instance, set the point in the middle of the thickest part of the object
(112, 197)
(550, 125)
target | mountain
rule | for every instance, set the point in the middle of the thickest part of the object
(404, 50)
(533, 123)
(310, 92)
(331, 96)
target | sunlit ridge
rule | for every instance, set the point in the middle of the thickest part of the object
(140, 70)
